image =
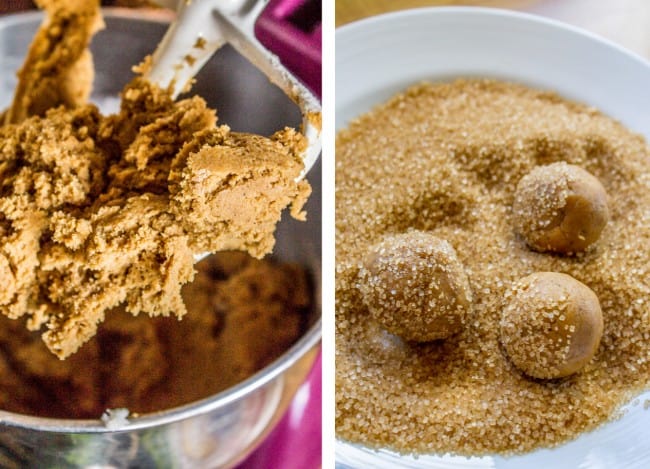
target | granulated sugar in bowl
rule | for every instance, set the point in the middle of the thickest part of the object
(571, 97)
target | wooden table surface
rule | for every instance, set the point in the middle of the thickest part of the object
(626, 22)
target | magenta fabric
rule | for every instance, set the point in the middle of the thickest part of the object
(292, 30)
(296, 443)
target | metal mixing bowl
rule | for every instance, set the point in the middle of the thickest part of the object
(221, 430)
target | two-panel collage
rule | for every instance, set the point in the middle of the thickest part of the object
(325, 234)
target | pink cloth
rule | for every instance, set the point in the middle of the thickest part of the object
(296, 443)
(292, 30)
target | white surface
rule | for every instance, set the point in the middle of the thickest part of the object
(377, 57)
(626, 22)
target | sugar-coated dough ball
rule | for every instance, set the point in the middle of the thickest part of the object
(560, 208)
(414, 286)
(551, 325)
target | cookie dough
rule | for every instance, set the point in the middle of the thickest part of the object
(98, 211)
(414, 286)
(551, 325)
(560, 208)
(243, 314)
(58, 69)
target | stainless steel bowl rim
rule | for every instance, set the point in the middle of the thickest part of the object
(222, 399)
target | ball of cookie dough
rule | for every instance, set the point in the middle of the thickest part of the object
(415, 287)
(560, 208)
(551, 325)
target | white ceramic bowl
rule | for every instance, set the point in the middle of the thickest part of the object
(378, 57)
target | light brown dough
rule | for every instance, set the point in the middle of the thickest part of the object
(242, 314)
(414, 286)
(551, 325)
(560, 208)
(58, 69)
(98, 211)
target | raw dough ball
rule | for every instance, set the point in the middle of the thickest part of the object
(560, 208)
(551, 326)
(415, 287)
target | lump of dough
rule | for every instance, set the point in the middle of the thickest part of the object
(58, 69)
(551, 325)
(415, 287)
(560, 208)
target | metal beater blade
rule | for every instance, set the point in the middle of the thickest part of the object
(201, 28)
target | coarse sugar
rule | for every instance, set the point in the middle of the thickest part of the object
(446, 159)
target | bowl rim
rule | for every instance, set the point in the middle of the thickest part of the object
(300, 348)
(351, 33)
(352, 27)
(347, 32)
